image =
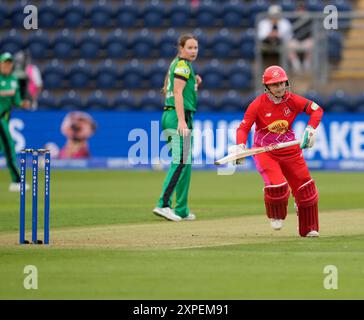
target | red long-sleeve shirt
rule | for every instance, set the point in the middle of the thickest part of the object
(273, 122)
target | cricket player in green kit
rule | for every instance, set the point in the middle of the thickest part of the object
(9, 97)
(180, 90)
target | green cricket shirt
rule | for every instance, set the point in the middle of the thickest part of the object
(9, 93)
(182, 69)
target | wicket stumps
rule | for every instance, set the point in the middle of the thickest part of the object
(47, 171)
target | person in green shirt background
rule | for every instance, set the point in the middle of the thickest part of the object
(180, 91)
(9, 97)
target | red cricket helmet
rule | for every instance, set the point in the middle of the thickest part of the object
(274, 74)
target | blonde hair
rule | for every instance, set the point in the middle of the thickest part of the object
(180, 44)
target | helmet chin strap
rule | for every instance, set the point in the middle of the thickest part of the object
(285, 90)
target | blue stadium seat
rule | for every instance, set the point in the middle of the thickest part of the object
(116, 44)
(179, 14)
(90, 44)
(17, 15)
(167, 43)
(231, 102)
(79, 74)
(202, 41)
(256, 7)
(100, 15)
(313, 95)
(288, 5)
(3, 14)
(339, 102)
(106, 75)
(246, 44)
(153, 14)
(53, 75)
(151, 101)
(97, 101)
(206, 101)
(247, 100)
(48, 14)
(46, 101)
(343, 6)
(240, 75)
(70, 101)
(38, 44)
(157, 74)
(359, 103)
(233, 14)
(315, 5)
(74, 14)
(206, 14)
(11, 42)
(143, 44)
(222, 44)
(124, 101)
(335, 43)
(63, 44)
(213, 75)
(132, 75)
(127, 14)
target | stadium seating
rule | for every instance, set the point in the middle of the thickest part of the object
(157, 73)
(202, 38)
(38, 44)
(315, 5)
(48, 14)
(124, 101)
(231, 102)
(127, 15)
(106, 75)
(206, 101)
(213, 75)
(53, 75)
(116, 44)
(3, 14)
(246, 44)
(316, 97)
(80, 74)
(46, 101)
(70, 101)
(90, 44)
(339, 101)
(233, 14)
(17, 14)
(222, 44)
(206, 14)
(12, 42)
(100, 15)
(151, 101)
(132, 75)
(97, 101)
(256, 7)
(240, 75)
(63, 44)
(153, 14)
(74, 14)
(143, 44)
(179, 14)
(167, 43)
(358, 103)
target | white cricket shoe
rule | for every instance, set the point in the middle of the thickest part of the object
(166, 213)
(276, 224)
(312, 234)
(191, 216)
(15, 187)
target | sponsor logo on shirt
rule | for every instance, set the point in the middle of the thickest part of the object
(278, 126)
(268, 114)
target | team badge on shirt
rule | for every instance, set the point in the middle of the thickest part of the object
(278, 126)
(287, 111)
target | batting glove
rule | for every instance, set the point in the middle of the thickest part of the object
(237, 149)
(308, 138)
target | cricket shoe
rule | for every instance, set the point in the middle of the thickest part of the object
(276, 224)
(191, 216)
(166, 213)
(313, 234)
(15, 187)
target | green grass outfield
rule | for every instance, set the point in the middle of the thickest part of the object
(106, 243)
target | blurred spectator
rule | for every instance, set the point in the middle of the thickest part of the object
(274, 30)
(29, 76)
(302, 43)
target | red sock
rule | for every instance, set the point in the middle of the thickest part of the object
(307, 202)
(276, 200)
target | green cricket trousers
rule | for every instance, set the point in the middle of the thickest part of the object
(179, 174)
(8, 148)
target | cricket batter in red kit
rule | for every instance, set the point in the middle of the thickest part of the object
(284, 170)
